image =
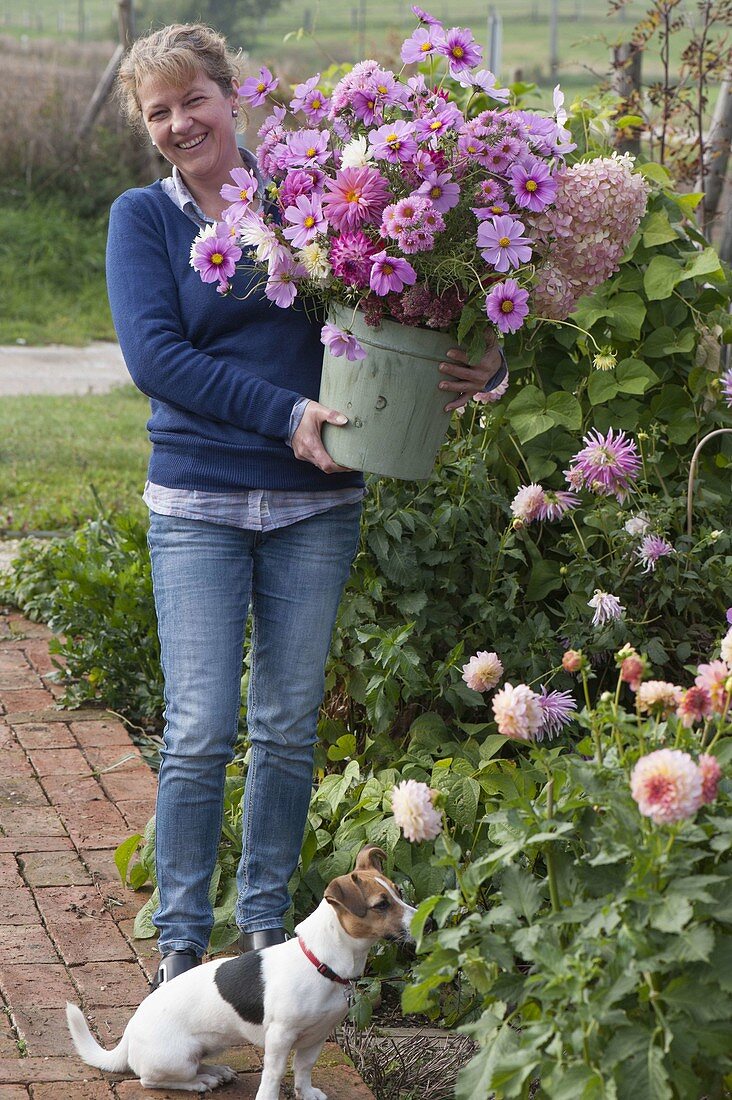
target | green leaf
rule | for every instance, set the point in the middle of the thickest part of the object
(655, 172)
(673, 914)
(521, 891)
(634, 376)
(703, 263)
(527, 415)
(143, 928)
(565, 409)
(476, 1079)
(657, 229)
(626, 314)
(601, 387)
(688, 202)
(545, 578)
(468, 318)
(662, 275)
(579, 1083)
(124, 852)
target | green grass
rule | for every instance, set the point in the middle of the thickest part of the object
(52, 273)
(58, 455)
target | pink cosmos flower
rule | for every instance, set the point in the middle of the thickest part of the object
(240, 195)
(394, 142)
(527, 502)
(658, 697)
(390, 274)
(256, 88)
(695, 706)
(506, 305)
(502, 243)
(341, 343)
(357, 196)
(517, 712)
(425, 17)
(423, 43)
(460, 49)
(607, 607)
(572, 660)
(307, 148)
(714, 677)
(651, 549)
(281, 287)
(607, 465)
(351, 256)
(315, 105)
(307, 220)
(302, 91)
(556, 503)
(483, 671)
(367, 107)
(532, 184)
(214, 254)
(484, 81)
(726, 384)
(557, 708)
(414, 811)
(711, 773)
(667, 785)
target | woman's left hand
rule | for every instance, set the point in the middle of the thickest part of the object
(467, 380)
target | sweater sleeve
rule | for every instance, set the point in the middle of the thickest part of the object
(162, 362)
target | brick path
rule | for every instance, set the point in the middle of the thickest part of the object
(66, 802)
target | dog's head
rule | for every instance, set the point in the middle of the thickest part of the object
(367, 904)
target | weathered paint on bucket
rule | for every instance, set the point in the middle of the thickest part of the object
(396, 418)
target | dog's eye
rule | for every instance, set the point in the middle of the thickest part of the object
(383, 904)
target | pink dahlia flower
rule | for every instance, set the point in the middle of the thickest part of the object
(572, 660)
(351, 256)
(502, 243)
(714, 677)
(341, 343)
(527, 503)
(214, 255)
(390, 274)
(667, 785)
(517, 711)
(490, 397)
(711, 773)
(414, 811)
(483, 671)
(356, 197)
(632, 670)
(556, 504)
(607, 465)
(695, 706)
(506, 305)
(658, 697)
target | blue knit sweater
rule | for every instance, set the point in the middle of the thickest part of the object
(222, 375)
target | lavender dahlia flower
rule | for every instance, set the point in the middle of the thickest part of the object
(607, 465)
(556, 711)
(651, 549)
(606, 606)
(357, 196)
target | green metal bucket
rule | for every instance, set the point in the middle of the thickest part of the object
(396, 418)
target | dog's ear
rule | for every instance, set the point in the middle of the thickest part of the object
(345, 893)
(370, 858)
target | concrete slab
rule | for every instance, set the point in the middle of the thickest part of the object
(58, 369)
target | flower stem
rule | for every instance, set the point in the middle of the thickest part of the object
(548, 853)
(593, 724)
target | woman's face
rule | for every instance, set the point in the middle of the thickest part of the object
(192, 126)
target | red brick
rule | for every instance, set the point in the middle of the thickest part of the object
(95, 734)
(20, 625)
(95, 825)
(31, 821)
(15, 762)
(34, 843)
(111, 983)
(341, 1083)
(83, 1090)
(244, 1088)
(70, 904)
(36, 652)
(26, 944)
(246, 1058)
(52, 735)
(118, 757)
(44, 1030)
(102, 867)
(44, 985)
(21, 791)
(19, 680)
(54, 869)
(108, 1023)
(36, 1070)
(90, 940)
(59, 762)
(9, 872)
(137, 814)
(14, 1092)
(25, 699)
(130, 786)
(12, 660)
(124, 901)
(17, 906)
(77, 790)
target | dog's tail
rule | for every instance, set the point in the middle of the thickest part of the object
(113, 1061)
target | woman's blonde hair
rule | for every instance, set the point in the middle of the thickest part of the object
(177, 54)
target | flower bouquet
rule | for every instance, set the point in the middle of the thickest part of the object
(425, 201)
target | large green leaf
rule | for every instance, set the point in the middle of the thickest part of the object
(521, 891)
(662, 275)
(634, 376)
(602, 387)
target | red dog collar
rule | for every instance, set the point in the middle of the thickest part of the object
(321, 967)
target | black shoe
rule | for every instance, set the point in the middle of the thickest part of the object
(255, 941)
(173, 964)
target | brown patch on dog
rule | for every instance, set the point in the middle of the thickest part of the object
(371, 858)
(365, 908)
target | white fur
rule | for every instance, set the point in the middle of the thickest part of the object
(186, 1019)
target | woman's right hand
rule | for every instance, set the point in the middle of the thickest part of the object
(306, 442)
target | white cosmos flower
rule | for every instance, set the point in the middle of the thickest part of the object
(356, 154)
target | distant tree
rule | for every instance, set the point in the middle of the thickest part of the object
(237, 19)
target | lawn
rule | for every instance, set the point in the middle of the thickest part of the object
(63, 457)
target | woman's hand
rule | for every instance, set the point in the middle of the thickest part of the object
(465, 379)
(306, 442)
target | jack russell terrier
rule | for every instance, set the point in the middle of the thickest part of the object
(287, 996)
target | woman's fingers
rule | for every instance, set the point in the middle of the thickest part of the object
(307, 443)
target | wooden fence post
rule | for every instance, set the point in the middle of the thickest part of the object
(626, 83)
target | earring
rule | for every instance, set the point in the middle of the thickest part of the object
(234, 114)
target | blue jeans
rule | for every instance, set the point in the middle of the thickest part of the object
(205, 576)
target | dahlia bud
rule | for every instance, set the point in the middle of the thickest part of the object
(572, 660)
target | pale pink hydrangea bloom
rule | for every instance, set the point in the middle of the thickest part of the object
(714, 677)
(597, 209)
(414, 812)
(711, 773)
(695, 706)
(667, 785)
(658, 697)
(518, 713)
(483, 671)
(527, 502)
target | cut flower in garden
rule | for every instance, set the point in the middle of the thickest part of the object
(390, 197)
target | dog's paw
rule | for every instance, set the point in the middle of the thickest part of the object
(311, 1094)
(221, 1073)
